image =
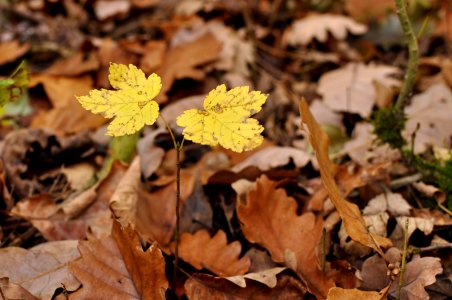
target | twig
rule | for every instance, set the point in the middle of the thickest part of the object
(402, 268)
(431, 248)
(178, 147)
(403, 181)
(413, 59)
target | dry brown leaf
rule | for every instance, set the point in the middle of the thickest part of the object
(273, 157)
(12, 291)
(106, 9)
(74, 65)
(118, 268)
(153, 55)
(270, 219)
(363, 149)
(12, 50)
(124, 200)
(181, 61)
(303, 31)
(213, 253)
(267, 277)
(349, 212)
(423, 224)
(67, 115)
(430, 110)
(430, 191)
(151, 156)
(419, 273)
(337, 293)
(374, 272)
(202, 286)
(351, 87)
(156, 211)
(171, 111)
(368, 11)
(42, 269)
(86, 213)
(111, 51)
(391, 202)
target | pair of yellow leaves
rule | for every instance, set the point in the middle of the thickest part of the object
(225, 119)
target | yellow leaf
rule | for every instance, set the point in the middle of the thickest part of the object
(225, 119)
(131, 104)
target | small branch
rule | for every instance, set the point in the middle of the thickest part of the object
(178, 147)
(404, 253)
(176, 251)
(413, 58)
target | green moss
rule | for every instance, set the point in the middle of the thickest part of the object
(388, 126)
(436, 172)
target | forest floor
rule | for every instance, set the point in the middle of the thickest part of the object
(316, 207)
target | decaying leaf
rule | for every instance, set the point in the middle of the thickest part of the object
(419, 273)
(274, 156)
(118, 268)
(270, 219)
(267, 277)
(74, 65)
(391, 202)
(349, 212)
(12, 50)
(317, 26)
(11, 290)
(368, 11)
(42, 269)
(351, 87)
(363, 148)
(337, 293)
(213, 253)
(430, 110)
(124, 200)
(66, 116)
(181, 61)
(202, 286)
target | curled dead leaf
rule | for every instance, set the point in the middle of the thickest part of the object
(349, 212)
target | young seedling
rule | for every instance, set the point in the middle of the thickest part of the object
(225, 120)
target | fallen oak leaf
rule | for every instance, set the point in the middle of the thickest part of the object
(42, 269)
(203, 286)
(118, 268)
(270, 219)
(212, 253)
(303, 31)
(337, 293)
(349, 212)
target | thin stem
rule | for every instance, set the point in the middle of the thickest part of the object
(178, 147)
(169, 130)
(404, 253)
(176, 251)
(413, 58)
(440, 205)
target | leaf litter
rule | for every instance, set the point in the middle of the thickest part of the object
(291, 219)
